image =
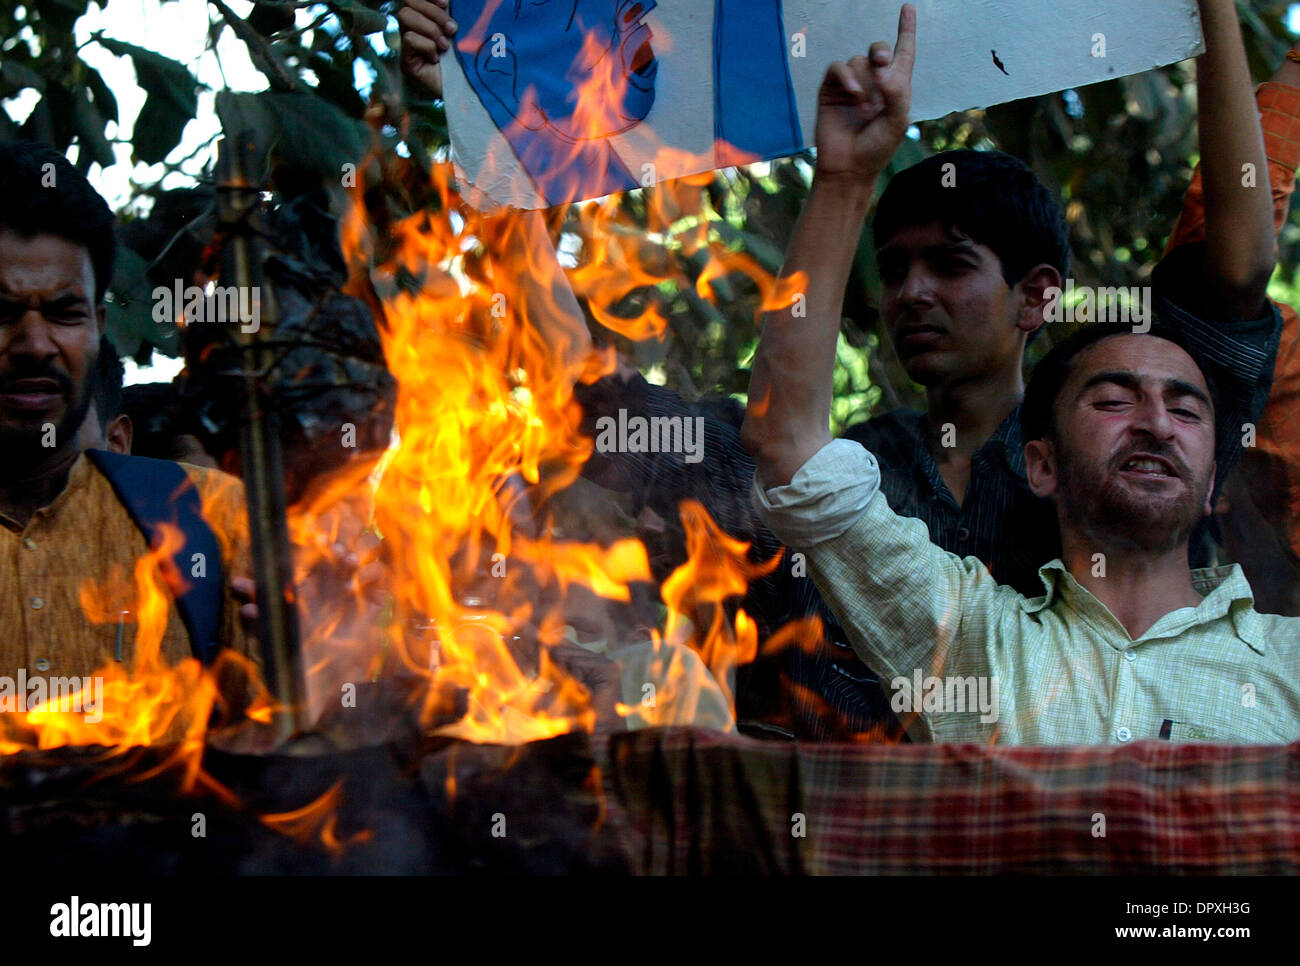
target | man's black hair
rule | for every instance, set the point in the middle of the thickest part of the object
(56, 200)
(107, 387)
(992, 198)
(1052, 371)
(158, 419)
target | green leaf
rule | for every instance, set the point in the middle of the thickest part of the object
(17, 77)
(247, 115)
(358, 16)
(430, 119)
(39, 125)
(90, 131)
(62, 15)
(53, 120)
(306, 130)
(101, 95)
(130, 323)
(768, 255)
(171, 103)
(269, 16)
(336, 84)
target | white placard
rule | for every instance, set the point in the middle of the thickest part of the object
(745, 73)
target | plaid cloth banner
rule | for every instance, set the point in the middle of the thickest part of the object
(669, 801)
(691, 802)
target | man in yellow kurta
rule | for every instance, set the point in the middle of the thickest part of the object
(69, 533)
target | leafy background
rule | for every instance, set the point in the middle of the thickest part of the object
(1120, 153)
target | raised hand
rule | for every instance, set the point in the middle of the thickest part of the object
(862, 108)
(427, 29)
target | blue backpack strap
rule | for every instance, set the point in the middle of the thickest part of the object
(157, 492)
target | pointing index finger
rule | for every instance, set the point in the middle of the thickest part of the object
(905, 49)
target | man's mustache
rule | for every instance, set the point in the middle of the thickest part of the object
(16, 374)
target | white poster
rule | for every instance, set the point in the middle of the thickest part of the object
(551, 101)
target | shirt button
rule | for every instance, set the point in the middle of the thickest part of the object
(963, 534)
(29, 543)
(38, 603)
(1130, 655)
(42, 664)
(1123, 734)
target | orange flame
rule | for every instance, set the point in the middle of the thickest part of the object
(317, 821)
(717, 568)
(486, 341)
(147, 702)
(482, 331)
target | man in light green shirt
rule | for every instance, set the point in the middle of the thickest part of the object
(1124, 645)
(1127, 642)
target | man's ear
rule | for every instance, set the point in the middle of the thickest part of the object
(120, 433)
(1209, 492)
(1040, 467)
(1035, 300)
(498, 73)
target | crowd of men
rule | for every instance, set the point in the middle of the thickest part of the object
(1045, 545)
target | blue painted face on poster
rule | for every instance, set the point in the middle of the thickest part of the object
(527, 60)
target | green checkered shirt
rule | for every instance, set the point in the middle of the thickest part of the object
(1065, 670)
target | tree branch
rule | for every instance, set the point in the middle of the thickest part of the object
(265, 57)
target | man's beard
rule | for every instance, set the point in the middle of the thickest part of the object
(24, 447)
(1097, 502)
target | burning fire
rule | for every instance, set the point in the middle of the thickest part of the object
(486, 350)
(717, 568)
(149, 701)
(317, 822)
(460, 579)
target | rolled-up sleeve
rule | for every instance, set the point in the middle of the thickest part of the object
(825, 497)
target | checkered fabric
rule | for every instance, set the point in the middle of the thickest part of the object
(690, 802)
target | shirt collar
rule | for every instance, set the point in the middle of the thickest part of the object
(1225, 593)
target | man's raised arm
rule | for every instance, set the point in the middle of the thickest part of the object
(862, 116)
(1238, 204)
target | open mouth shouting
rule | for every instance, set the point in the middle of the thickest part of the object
(1148, 467)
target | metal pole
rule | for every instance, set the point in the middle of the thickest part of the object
(239, 221)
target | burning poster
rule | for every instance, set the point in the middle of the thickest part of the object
(550, 102)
